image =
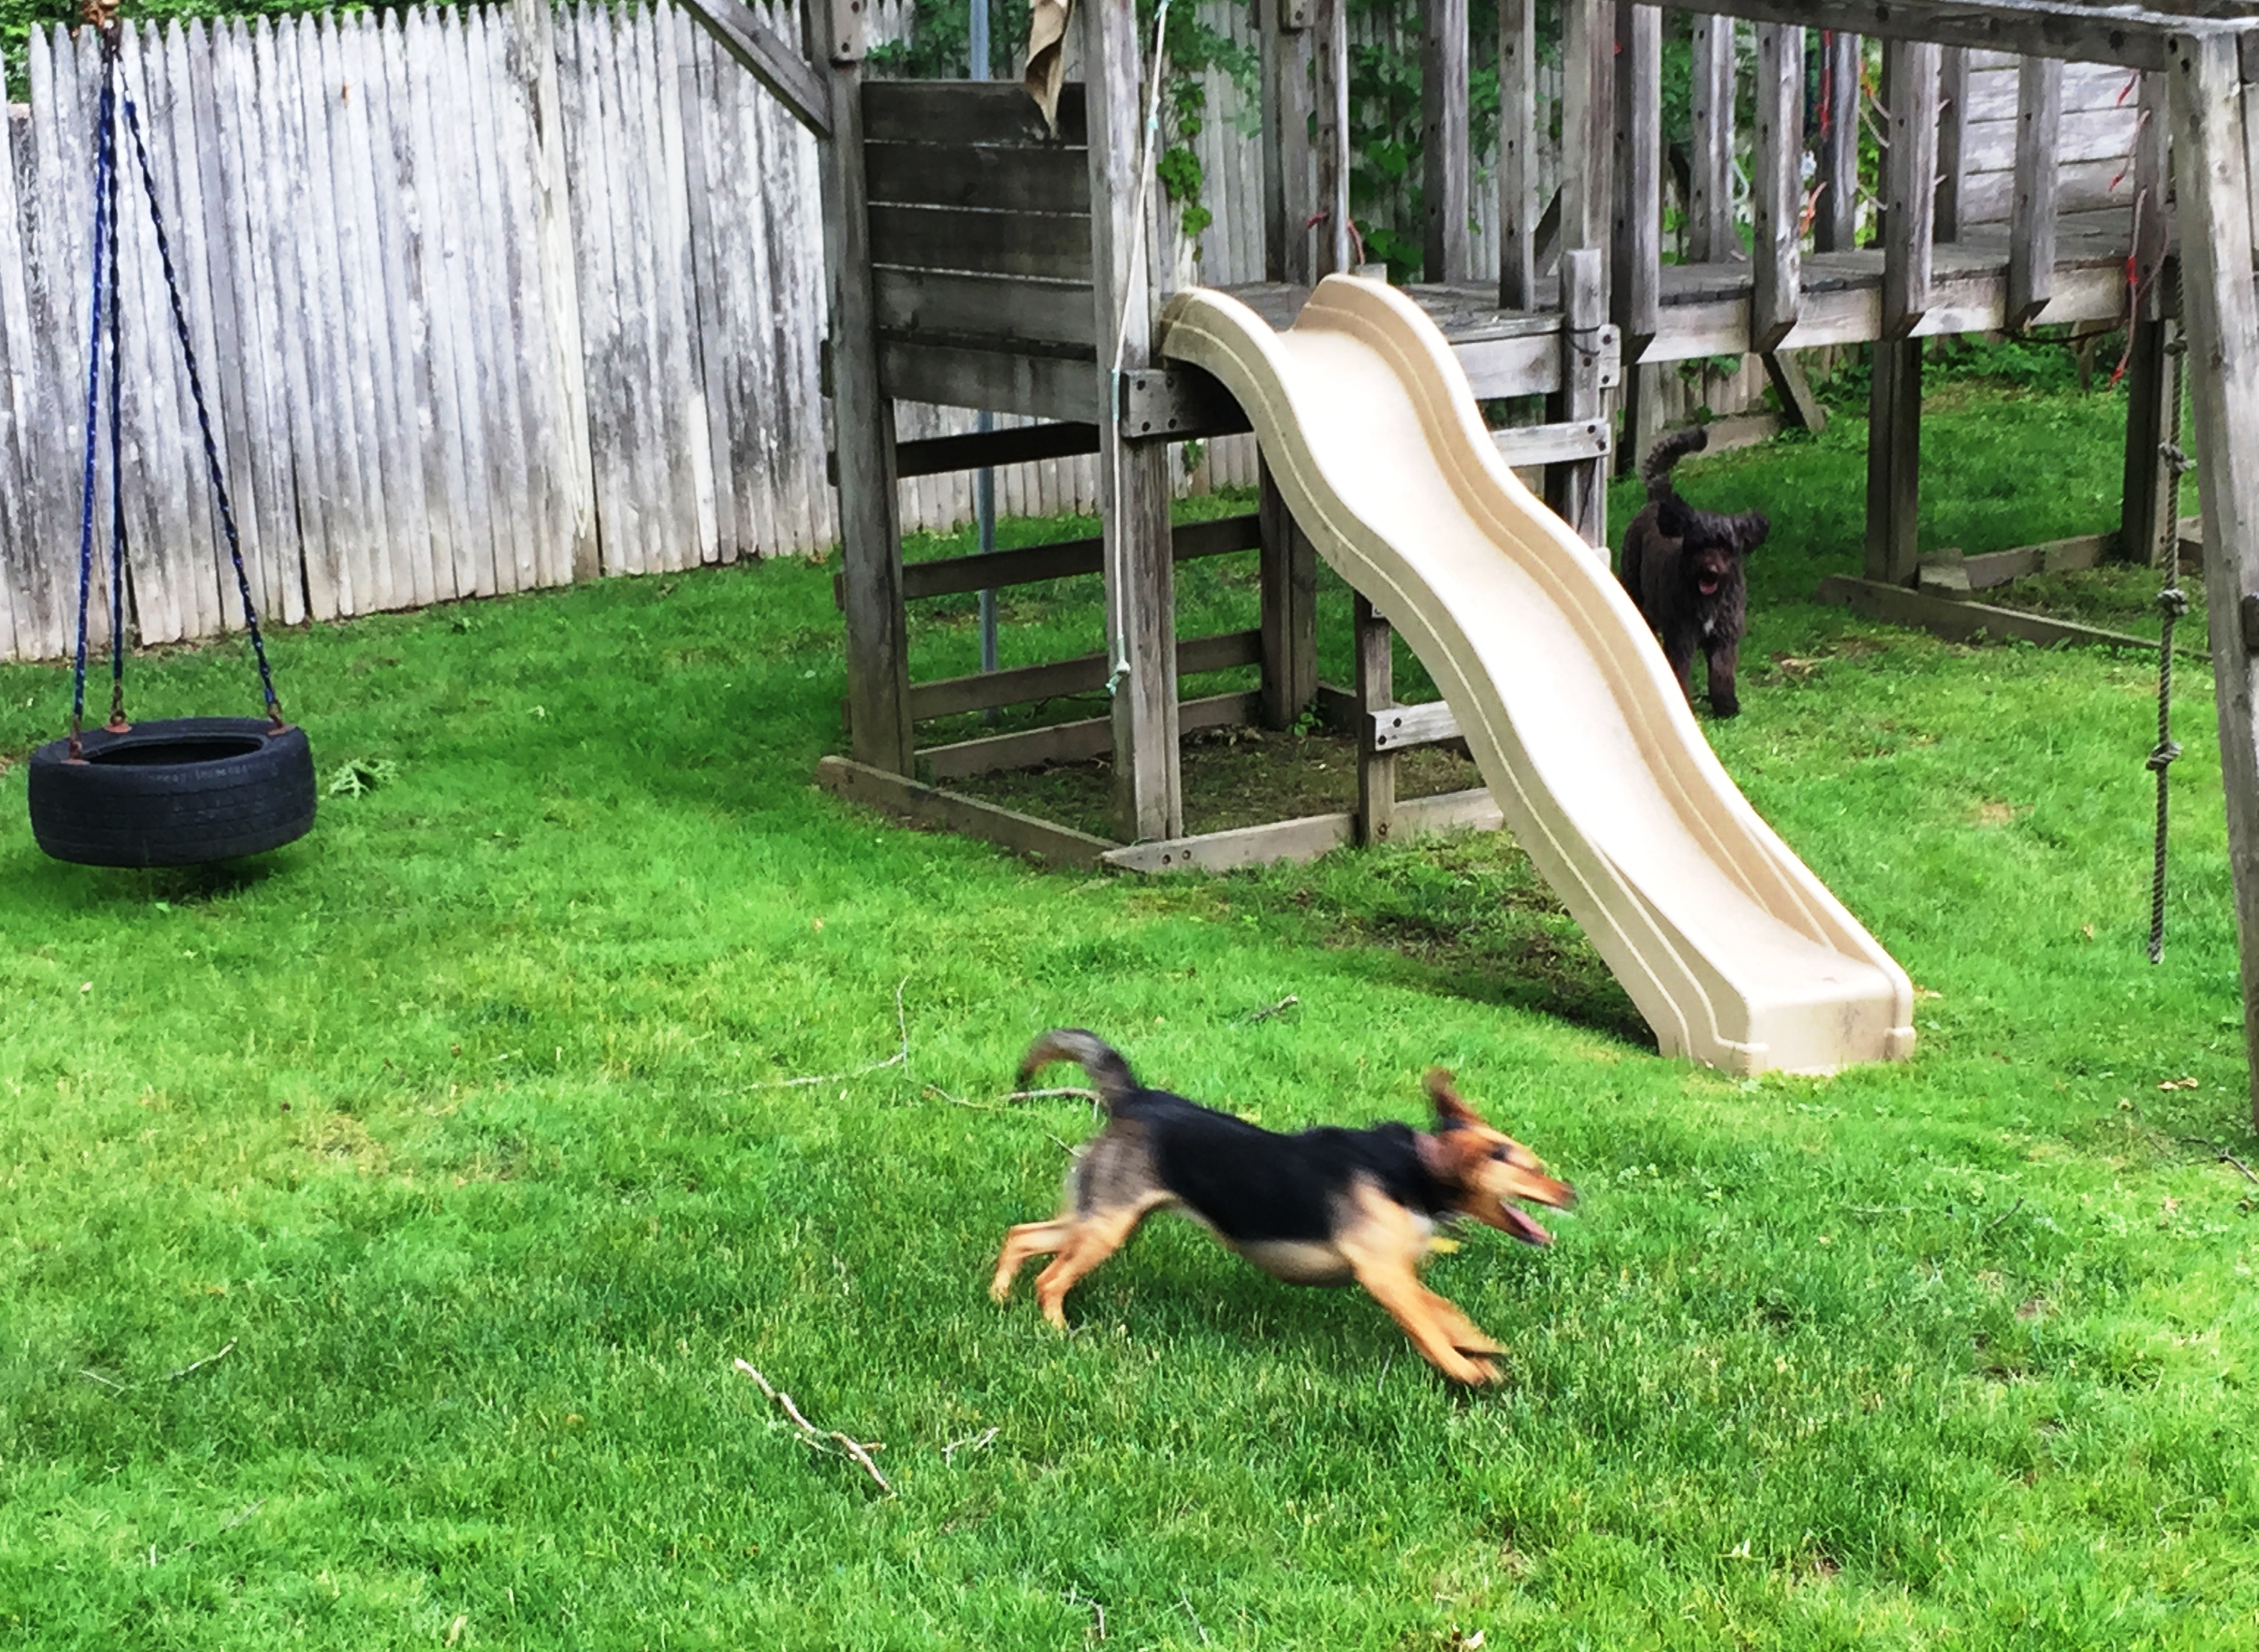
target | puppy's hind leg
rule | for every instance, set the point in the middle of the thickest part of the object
(1094, 1238)
(1022, 1244)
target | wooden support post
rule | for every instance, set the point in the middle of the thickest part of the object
(1289, 575)
(2221, 314)
(1910, 185)
(1375, 690)
(2031, 234)
(1777, 186)
(1894, 462)
(1711, 235)
(1578, 490)
(1288, 181)
(1835, 228)
(1588, 123)
(1952, 137)
(1444, 163)
(1335, 253)
(1517, 154)
(1636, 231)
(1133, 478)
(863, 417)
(2144, 535)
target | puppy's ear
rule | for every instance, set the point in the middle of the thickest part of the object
(1450, 1112)
(1749, 531)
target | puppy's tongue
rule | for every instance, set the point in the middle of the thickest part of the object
(1707, 585)
(1524, 1229)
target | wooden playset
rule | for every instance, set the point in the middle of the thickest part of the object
(2046, 163)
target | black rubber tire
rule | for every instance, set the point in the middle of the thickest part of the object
(177, 793)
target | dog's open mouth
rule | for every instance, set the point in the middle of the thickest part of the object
(1522, 1227)
(1708, 584)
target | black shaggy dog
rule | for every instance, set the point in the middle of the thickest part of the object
(1682, 567)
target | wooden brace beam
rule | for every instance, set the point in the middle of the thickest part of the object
(771, 61)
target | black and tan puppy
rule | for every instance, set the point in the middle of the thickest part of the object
(1682, 567)
(1328, 1206)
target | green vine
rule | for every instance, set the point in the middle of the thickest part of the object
(1194, 48)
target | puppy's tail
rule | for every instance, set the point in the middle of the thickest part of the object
(1656, 473)
(1107, 1071)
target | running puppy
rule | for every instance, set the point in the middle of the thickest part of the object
(1682, 567)
(1327, 1206)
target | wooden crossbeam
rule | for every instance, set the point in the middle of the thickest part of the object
(2135, 35)
(1085, 675)
(770, 58)
(908, 799)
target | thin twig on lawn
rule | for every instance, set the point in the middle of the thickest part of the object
(2230, 1158)
(974, 1443)
(209, 1359)
(222, 1532)
(898, 1058)
(240, 1519)
(1002, 1104)
(1279, 1008)
(1195, 1616)
(2004, 1215)
(107, 1382)
(1076, 1598)
(830, 1441)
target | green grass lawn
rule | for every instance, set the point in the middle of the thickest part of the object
(473, 1136)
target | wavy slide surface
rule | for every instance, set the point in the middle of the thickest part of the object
(1734, 951)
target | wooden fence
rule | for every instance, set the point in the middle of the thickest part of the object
(486, 299)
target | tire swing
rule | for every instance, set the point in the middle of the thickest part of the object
(186, 790)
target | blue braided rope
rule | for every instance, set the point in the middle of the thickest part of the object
(117, 468)
(105, 131)
(203, 418)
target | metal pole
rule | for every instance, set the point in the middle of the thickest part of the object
(984, 480)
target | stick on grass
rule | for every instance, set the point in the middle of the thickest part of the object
(209, 1359)
(901, 1057)
(829, 1442)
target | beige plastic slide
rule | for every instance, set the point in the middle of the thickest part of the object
(1735, 952)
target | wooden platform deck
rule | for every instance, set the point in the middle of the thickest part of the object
(1706, 307)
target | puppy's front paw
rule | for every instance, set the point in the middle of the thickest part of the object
(1725, 706)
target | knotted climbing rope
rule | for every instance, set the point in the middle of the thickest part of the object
(2172, 603)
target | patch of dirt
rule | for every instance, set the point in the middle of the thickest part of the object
(1232, 777)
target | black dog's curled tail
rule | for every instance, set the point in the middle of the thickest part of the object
(1107, 1071)
(1656, 473)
